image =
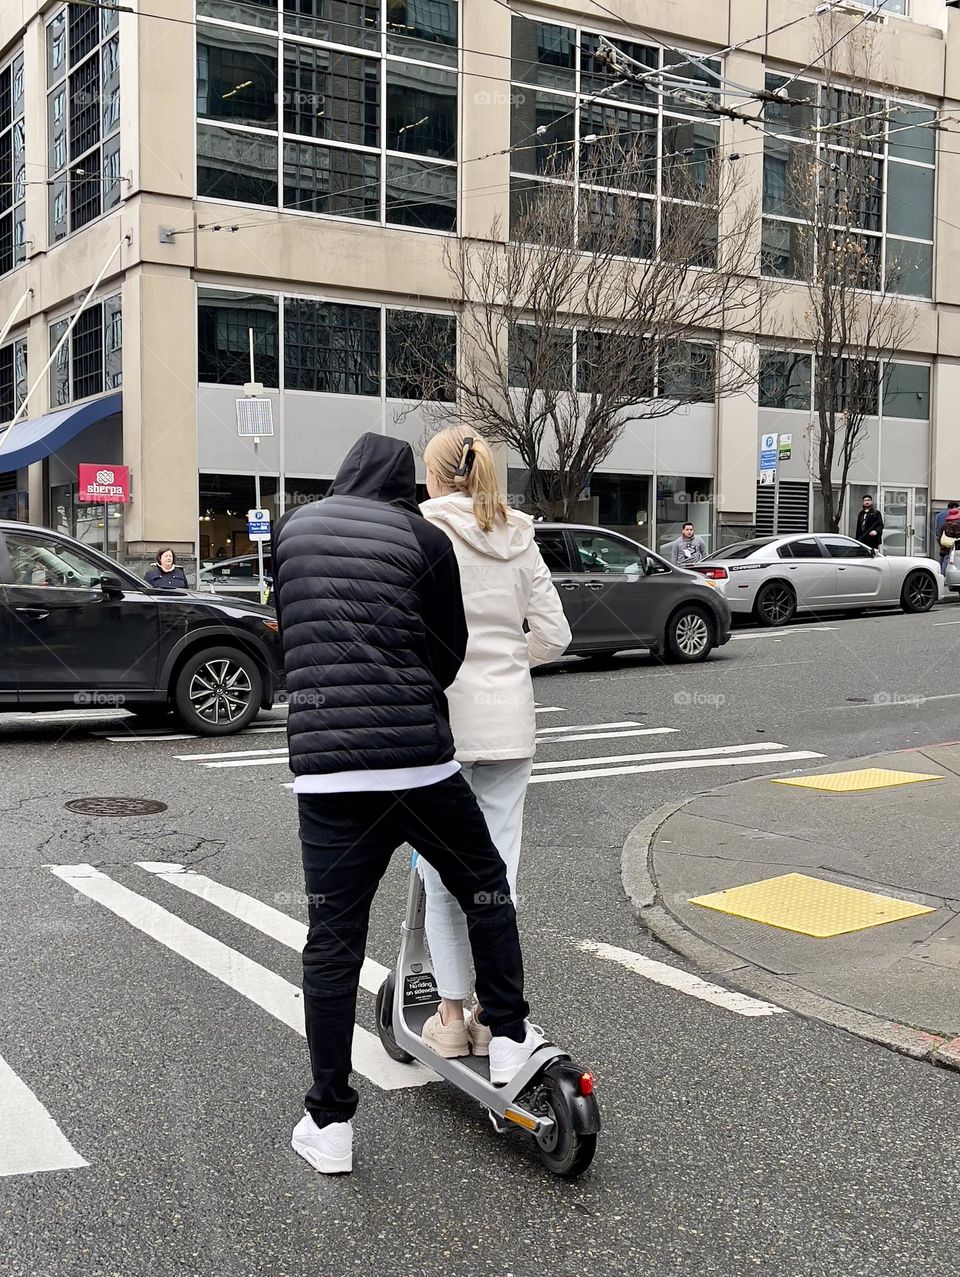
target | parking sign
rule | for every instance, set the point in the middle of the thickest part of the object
(258, 525)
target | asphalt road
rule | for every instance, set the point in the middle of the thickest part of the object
(732, 1143)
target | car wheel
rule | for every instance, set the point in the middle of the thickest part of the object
(218, 691)
(920, 592)
(775, 604)
(689, 635)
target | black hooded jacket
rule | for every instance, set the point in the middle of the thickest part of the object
(371, 617)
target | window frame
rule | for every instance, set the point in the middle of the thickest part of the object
(110, 307)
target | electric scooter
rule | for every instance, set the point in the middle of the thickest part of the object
(551, 1097)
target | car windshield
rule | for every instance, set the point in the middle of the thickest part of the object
(742, 549)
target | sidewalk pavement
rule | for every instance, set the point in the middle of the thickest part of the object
(897, 982)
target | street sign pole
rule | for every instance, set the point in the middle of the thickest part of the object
(776, 500)
(256, 480)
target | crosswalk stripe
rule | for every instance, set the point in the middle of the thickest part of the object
(686, 764)
(717, 750)
(682, 981)
(577, 735)
(260, 985)
(262, 917)
(30, 1140)
(587, 727)
(548, 709)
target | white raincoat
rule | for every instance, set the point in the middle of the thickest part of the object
(505, 582)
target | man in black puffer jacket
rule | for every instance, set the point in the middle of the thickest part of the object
(371, 617)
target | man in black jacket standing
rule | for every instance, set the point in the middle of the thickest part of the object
(870, 524)
(371, 617)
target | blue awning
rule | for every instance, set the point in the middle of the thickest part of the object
(32, 440)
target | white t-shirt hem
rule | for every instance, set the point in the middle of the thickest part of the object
(388, 779)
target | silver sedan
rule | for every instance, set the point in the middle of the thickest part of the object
(772, 578)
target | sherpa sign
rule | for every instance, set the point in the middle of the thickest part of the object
(106, 484)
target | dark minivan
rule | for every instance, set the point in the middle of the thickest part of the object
(79, 630)
(618, 594)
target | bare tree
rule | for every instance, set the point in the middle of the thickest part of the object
(854, 317)
(601, 308)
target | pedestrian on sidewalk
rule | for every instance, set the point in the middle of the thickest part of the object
(505, 582)
(946, 537)
(688, 548)
(869, 525)
(166, 573)
(372, 624)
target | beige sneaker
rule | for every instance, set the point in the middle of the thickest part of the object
(479, 1034)
(450, 1041)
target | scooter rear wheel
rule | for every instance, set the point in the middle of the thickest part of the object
(563, 1150)
(385, 996)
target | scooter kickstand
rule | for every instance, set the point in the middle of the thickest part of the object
(499, 1124)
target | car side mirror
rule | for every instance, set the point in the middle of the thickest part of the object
(648, 567)
(111, 586)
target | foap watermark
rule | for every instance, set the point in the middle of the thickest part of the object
(496, 97)
(898, 698)
(100, 700)
(306, 698)
(298, 898)
(500, 698)
(711, 700)
(497, 898)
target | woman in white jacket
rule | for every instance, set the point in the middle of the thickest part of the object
(505, 582)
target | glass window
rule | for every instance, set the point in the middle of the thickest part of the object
(614, 224)
(87, 353)
(688, 372)
(785, 379)
(544, 54)
(249, 13)
(421, 355)
(854, 187)
(236, 76)
(743, 549)
(540, 360)
(780, 117)
(597, 77)
(224, 320)
(598, 352)
(329, 94)
(553, 547)
(906, 391)
(805, 548)
(421, 194)
(845, 548)
(423, 29)
(236, 166)
(331, 347)
(910, 268)
(787, 177)
(13, 173)
(604, 554)
(909, 137)
(355, 22)
(39, 560)
(687, 152)
(626, 142)
(421, 110)
(60, 368)
(326, 179)
(112, 344)
(542, 128)
(910, 201)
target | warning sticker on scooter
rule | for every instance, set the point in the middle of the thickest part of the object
(418, 989)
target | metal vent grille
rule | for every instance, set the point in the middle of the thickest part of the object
(794, 512)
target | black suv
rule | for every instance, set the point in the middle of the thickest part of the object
(617, 594)
(77, 629)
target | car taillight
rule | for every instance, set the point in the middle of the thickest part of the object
(714, 574)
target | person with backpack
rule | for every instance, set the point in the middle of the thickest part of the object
(947, 532)
(870, 525)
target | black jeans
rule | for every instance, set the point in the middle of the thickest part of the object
(347, 841)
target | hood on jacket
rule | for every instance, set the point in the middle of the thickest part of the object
(454, 513)
(380, 468)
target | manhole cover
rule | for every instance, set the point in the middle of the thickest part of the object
(115, 806)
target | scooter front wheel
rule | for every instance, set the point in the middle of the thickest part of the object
(563, 1149)
(385, 999)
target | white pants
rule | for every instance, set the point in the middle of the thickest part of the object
(500, 789)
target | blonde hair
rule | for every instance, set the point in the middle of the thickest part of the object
(464, 463)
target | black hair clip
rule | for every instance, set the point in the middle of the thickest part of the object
(466, 458)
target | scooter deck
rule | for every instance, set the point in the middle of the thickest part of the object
(416, 1018)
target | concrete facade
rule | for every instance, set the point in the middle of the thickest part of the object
(173, 428)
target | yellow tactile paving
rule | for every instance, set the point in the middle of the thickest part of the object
(810, 906)
(854, 782)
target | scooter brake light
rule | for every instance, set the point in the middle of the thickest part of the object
(586, 1083)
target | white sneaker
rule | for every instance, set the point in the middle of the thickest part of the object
(507, 1057)
(328, 1149)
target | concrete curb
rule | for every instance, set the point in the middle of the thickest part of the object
(639, 883)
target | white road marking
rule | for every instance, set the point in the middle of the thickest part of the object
(587, 727)
(263, 987)
(251, 762)
(675, 765)
(682, 981)
(264, 918)
(139, 740)
(233, 753)
(548, 709)
(937, 624)
(751, 748)
(30, 1140)
(67, 716)
(634, 731)
(813, 629)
